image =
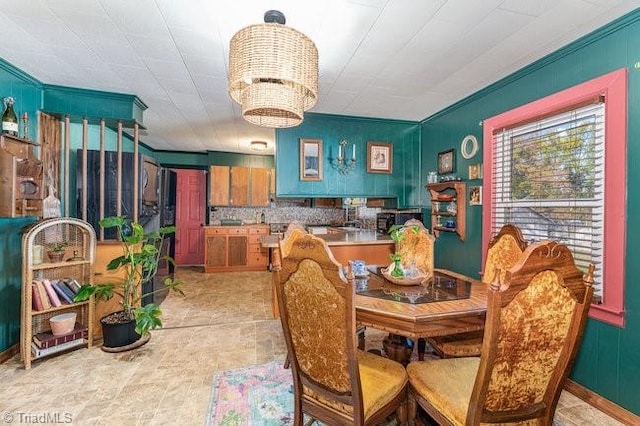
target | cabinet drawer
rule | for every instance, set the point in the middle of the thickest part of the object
(255, 239)
(255, 248)
(217, 231)
(259, 231)
(258, 260)
(237, 231)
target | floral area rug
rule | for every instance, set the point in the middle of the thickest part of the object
(259, 395)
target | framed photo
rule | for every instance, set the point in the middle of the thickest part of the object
(379, 157)
(446, 162)
(475, 171)
(475, 195)
(310, 159)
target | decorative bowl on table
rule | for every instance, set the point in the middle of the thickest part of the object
(407, 280)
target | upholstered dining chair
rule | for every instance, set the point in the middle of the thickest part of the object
(535, 321)
(416, 246)
(333, 381)
(504, 250)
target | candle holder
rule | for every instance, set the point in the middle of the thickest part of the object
(342, 164)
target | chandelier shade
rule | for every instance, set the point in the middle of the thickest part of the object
(273, 73)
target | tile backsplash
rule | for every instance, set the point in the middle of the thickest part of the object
(283, 212)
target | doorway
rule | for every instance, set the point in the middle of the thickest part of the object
(191, 206)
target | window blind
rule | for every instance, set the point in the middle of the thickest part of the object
(548, 179)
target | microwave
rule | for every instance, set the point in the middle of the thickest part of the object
(385, 220)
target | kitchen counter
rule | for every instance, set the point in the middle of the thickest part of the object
(369, 246)
(350, 238)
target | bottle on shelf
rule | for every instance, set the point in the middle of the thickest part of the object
(9, 118)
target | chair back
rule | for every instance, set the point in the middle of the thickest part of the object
(317, 312)
(535, 321)
(503, 252)
(416, 246)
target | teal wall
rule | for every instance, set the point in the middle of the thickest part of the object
(27, 93)
(609, 359)
(404, 183)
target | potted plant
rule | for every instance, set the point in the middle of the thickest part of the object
(139, 262)
(55, 252)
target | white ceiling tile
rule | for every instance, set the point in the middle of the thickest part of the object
(378, 58)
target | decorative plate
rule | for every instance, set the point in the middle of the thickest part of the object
(445, 197)
(403, 281)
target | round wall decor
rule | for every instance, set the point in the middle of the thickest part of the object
(469, 146)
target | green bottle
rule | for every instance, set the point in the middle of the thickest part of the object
(9, 118)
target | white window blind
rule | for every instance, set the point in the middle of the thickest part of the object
(548, 179)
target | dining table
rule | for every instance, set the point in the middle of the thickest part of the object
(445, 303)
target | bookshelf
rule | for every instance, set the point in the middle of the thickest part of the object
(79, 239)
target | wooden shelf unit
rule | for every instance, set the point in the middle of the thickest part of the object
(81, 241)
(21, 178)
(454, 191)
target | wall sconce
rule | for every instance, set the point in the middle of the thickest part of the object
(342, 164)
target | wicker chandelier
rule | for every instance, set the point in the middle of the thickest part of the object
(273, 72)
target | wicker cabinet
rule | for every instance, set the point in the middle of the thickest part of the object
(79, 239)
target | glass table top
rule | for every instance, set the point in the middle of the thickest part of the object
(439, 288)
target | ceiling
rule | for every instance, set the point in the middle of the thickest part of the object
(395, 59)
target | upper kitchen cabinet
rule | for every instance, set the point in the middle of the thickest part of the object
(240, 186)
(403, 182)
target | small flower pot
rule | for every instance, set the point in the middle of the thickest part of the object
(55, 256)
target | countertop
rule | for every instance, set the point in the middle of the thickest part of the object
(361, 237)
(248, 225)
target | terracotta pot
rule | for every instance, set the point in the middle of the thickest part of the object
(55, 256)
(118, 334)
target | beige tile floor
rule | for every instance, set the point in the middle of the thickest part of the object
(223, 322)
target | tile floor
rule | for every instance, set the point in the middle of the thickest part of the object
(223, 322)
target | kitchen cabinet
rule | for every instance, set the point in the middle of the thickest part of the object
(326, 202)
(235, 248)
(448, 208)
(240, 186)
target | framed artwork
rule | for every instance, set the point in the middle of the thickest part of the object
(475, 195)
(446, 162)
(310, 159)
(475, 171)
(379, 157)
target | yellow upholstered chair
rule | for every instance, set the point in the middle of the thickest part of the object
(535, 321)
(503, 252)
(416, 246)
(333, 381)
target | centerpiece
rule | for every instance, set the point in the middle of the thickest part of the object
(403, 271)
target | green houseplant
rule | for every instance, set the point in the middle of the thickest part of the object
(139, 263)
(55, 251)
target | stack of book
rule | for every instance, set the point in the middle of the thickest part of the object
(47, 294)
(46, 343)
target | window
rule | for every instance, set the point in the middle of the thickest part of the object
(558, 171)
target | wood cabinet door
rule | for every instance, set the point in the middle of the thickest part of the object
(237, 250)
(219, 185)
(239, 186)
(260, 187)
(216, 250)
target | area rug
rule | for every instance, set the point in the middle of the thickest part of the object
(259, 395)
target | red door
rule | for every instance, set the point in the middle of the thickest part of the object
(190, 210)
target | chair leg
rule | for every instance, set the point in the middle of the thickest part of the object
(412, 408)
(422, 344)
(287, 363)
(361, 338)
(401, 414)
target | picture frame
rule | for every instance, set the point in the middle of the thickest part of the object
(475, 171)
(446, 162)
(310, 159)
(379, 157)
(475, 195)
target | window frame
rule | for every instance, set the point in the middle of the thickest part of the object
(613, 86)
